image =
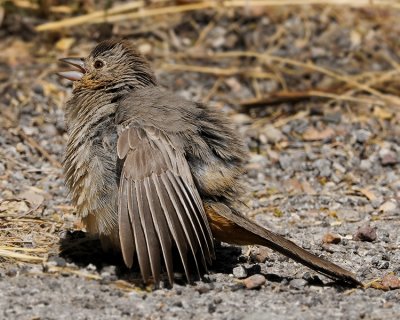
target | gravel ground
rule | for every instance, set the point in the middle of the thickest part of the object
(324, 173)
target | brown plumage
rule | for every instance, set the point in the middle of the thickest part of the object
(149, 171)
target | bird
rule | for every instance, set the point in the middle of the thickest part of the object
(151, 173)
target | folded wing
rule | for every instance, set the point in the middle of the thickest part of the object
(159, 206)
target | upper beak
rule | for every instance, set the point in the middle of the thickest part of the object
(73, 75)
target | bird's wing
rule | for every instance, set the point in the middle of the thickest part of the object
(159, 206)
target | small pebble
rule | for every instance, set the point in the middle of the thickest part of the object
(331, 238)
(298, 283)
(178, 304)
(365, 233)
(388, 206)
(323, 166)
(239, 272)
(388, 157)
(38, 89)
(91, 267)
(145, 48)
(384, 265)
(365, 164)
(390, 281)
(362, 135)
(272, 134)
(20, 147)
(12, 272)
(312, 278)
(211, 308)
(285, 161)
(59, 261)
(241, 118)
(203, 289)
(260, 254)
(217, 300)
(254, 282)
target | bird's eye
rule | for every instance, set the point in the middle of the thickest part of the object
(98, 64)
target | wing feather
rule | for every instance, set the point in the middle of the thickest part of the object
(153, 245)
(181, 214)
(126, 234)
(197, 226)
(140, 241)
(160, 225)
(159, 205)
(173, 223)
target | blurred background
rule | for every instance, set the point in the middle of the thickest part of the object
(312, 86)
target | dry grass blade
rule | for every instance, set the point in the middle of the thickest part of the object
(159, 11)
(28, 5)
(310, 66)
(285, 96)
(269, 59)
(90, 18)
(114, 14)
(38, 250)
(339, 97)
(19, 256)
(218, 71)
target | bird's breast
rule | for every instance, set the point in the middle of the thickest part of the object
(90, 167)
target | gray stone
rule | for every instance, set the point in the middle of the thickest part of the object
(239, 272)
(272, 134)
(362, 135)
(298, 283)
(388, 157)
(324, 167)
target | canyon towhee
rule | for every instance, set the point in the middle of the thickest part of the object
(149, 171)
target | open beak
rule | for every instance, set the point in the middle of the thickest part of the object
(73, 75)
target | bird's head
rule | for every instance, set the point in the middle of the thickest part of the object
(111, 64)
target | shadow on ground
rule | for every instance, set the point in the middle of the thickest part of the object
(79, 248)
(82, 250)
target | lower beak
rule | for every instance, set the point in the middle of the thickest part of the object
(73, 75)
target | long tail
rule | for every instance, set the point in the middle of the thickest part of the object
(234, 228)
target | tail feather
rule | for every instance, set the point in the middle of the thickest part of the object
(234, 228)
